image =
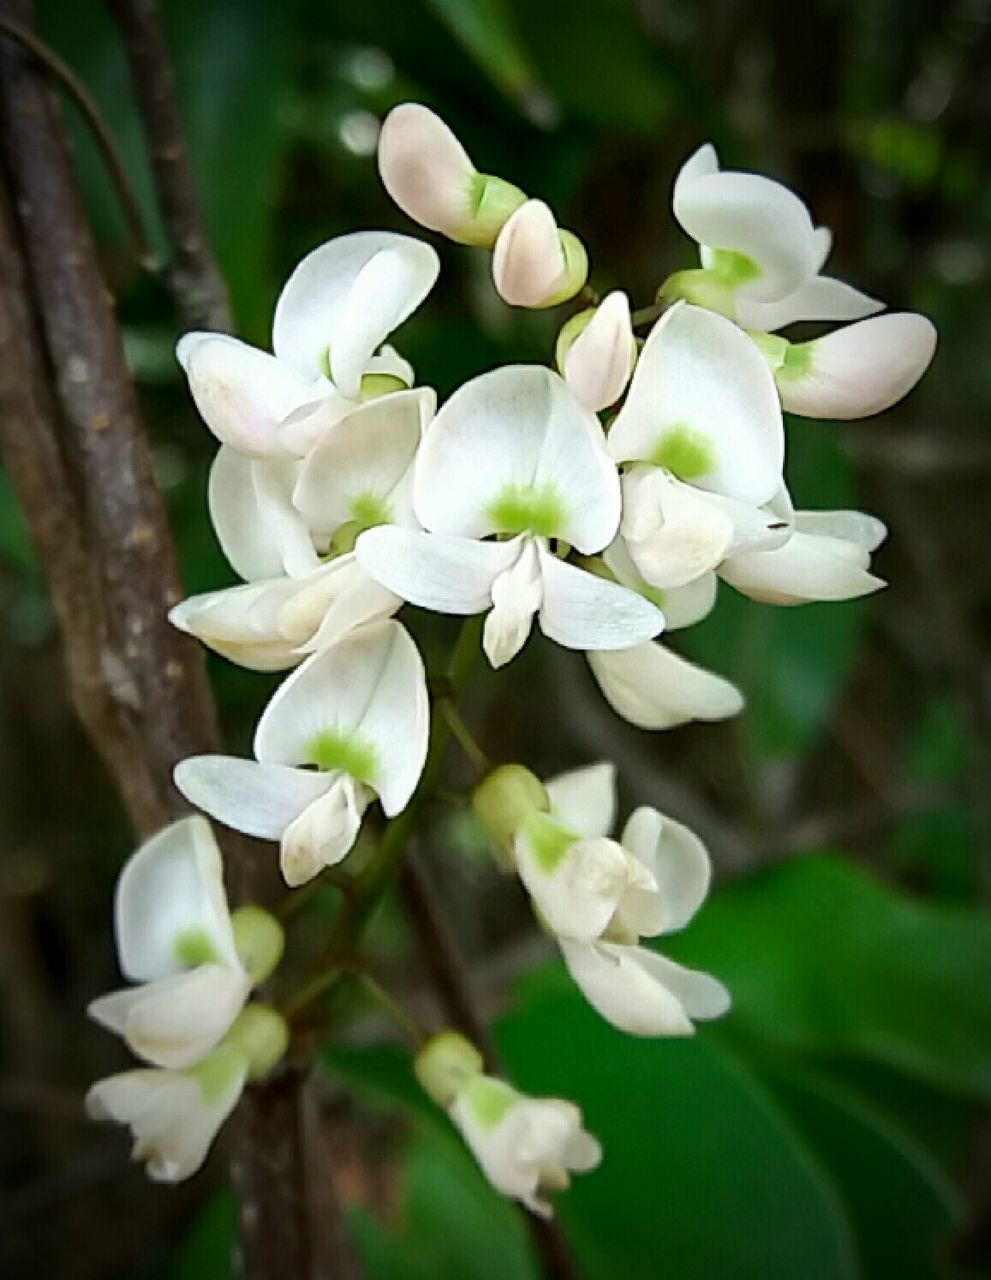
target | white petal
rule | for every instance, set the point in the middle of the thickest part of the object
(702, 996)
(244, 394)
(578, 897)
(273, 482)
(517, 594)
(681, 606)
(362, 458)
(324, 833)
(703, 404)
(860, 370)
(600, 361)
(241, 623)
(679, 864)
(424, 168)
(674, 533)
(368, 690)
(622, 991)
(175, 1021)
(448, 574)
(172, 1122)
(259, 530)
(654, 688)
(346, 601)
(821, 298)
(584, 611)
(171, 887)
(388, 361)
(699, 164)
(809, 567)
(506, 436)
(584, 800)
(864, 531)
(752, 215)
(346, 297)
(527, 260)
(258, 799)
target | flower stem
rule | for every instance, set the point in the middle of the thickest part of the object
(463, 736)
(390, 1006)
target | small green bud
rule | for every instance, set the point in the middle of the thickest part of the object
(492, 201)
(259, 942)
(445, 1064)
(261, 1035)
(505, 799)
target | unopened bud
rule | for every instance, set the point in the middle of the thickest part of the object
(597, 357)
(445, 1064)
(534, 263)
(259, 942)
(261, 1035)
(505, 799)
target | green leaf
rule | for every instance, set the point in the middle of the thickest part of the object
(208, 1246)
(701, 1168)
(822, 958)
(487, 31)
(900, 1203)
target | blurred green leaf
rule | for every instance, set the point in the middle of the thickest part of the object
(208, 1246)
(900, 1204)
(822, 958)
(487, 31)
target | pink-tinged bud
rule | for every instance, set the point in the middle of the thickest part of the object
(599, 361)
(535, 264)
(859, 370)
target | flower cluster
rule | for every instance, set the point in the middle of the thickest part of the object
(603, 497)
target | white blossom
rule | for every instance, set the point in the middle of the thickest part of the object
(350, 724)
(534, 264)
(598, 363)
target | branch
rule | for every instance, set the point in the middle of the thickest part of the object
(197, 286)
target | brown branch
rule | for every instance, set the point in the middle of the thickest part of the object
(197, 285)
(81, 465)
(448, 972)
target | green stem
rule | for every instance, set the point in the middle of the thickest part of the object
(463, 736)
(371, 885)
(390, 1006)
(647, 315)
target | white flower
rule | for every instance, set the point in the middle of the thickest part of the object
(703, 406)
(826, 558)
(428, 173)
(174, 939)
(534, 264)
(274, 623)
(641, 992)
(856, 371)
(759, 244)
(335, 311)
(349, 724)
(598, 362)
(174, 1115)
(524, 1145)
(513, 454)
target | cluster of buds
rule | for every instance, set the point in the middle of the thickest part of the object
(604, 496)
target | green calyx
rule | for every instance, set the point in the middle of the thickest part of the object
(445, 1065)
(575, 269)
(375, 385)
(259, 941)
(505, 799)
(700, 287)
(489, 1100)
(569, 333)
(548, 841)
(193, 947)
(527, 509)
(331, 750)
(685, 452)
(491, 201)
(260, 1036)
(216, 1073)
(787, 360)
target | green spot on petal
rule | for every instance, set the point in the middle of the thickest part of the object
(527, 509)
(331, 750)
(684, 452)
(797, 362)
(193, 947)
(489, 1100)
(369, 510)
(549, 842)
(733, 268)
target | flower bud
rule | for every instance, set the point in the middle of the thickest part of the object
(259, 942)
(445, 1064)
(597, 357)
(534, 264)
(261, 1036)
(428, 173)
(505, 799)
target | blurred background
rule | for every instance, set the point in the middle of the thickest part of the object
(838, 1123)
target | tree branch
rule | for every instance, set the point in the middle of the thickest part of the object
(195, 280)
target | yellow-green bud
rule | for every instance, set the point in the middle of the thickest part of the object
(445, 1064)
(492, 201)
(261, 1035)
(569, 332)
(505, 799)
(259, 942)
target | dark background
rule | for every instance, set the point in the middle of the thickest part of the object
(836, 1124)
